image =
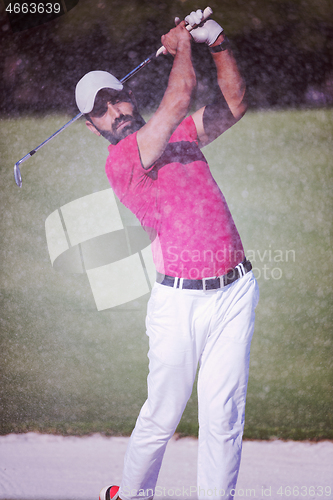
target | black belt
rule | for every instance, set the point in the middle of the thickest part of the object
(206, 283)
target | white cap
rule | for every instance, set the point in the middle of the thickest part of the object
(90, 84)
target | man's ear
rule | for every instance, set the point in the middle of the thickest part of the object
(92, 128)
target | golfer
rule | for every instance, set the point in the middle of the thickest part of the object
(201, 309)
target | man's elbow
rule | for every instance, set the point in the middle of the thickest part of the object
(239, 110)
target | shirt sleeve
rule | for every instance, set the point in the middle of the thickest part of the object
(188, 128)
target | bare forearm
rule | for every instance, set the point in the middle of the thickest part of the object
(230, 80)
(229, 104)
(154, 136)
(182, 80)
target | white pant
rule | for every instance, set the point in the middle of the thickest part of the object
(186, 327)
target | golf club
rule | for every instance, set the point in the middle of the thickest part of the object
(17, 173)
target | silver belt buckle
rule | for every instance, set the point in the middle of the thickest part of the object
(212, 278)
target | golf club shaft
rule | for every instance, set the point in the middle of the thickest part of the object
(17, 173)
(48, 139)
(138, 68)
(206, 13)
(124, 79)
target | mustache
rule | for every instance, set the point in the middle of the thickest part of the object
(135, 122)
(122, 118)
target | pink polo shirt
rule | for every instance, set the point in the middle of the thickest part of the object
(178, 199)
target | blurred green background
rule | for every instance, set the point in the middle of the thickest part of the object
(67, 368)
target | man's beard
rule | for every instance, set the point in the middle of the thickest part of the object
(135, 122)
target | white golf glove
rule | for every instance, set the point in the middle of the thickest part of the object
(208, 32)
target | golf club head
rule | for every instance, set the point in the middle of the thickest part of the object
(17, 175)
